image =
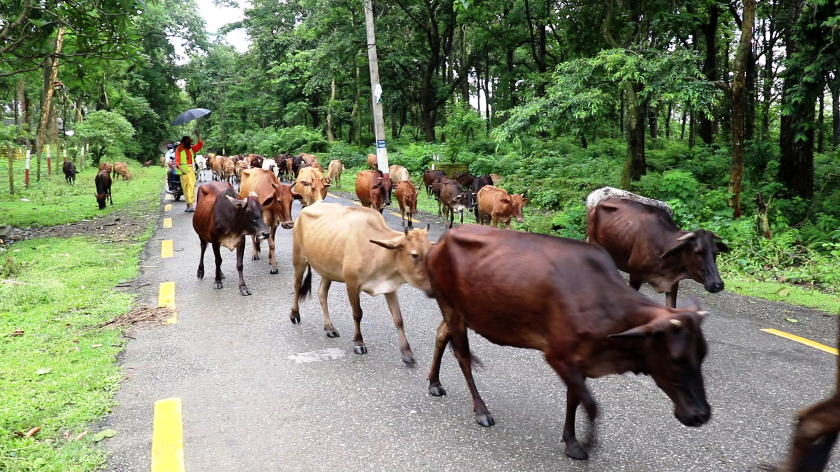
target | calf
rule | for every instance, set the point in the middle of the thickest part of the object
(370, 189)
(645, 242)
(147, 163)
(70, 172)
(334, 171)
(406, 195)
(496, 206)
(372, 161)
(221, 219)
(271, 166)
(276, 200)
(465, 179)
(354, 245)
(565, 298)
(429, 177)
(398, 174)
(454, 199)
(312, 185)
(103, 188)
(120, 168)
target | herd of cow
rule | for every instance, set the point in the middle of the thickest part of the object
(102, 180)
(526, 290)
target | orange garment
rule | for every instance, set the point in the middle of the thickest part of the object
(188, 154)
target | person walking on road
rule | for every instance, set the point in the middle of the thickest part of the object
(185, 163)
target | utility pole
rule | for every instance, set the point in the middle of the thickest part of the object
(376, 96)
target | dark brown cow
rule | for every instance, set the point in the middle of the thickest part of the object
(406, 194)
(70, 172)
(453, 199)
(276, 200)
(257, 161)
(221, 219)
(565, 298)
(465, 179)
(103, 187)
(645, 242)
(370, 190)
(436, 186)
(429, 177)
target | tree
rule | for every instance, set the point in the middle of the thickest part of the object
(739, 106)
(106, 132)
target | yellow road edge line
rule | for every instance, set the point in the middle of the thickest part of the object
(167, 207)
(166, 248)
(805, 341)
(167, 222)
(168, 197)
(412, 219)
(166, 297)
(168, 436)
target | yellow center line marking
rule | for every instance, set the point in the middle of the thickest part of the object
(166, 297)
(168, 437)
(412, 219)
(167, 222)
(167, 207)
(807, 342)
(166, 249)
(168, 197)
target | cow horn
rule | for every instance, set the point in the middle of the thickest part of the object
(686, 236)
(676, 323)
(703, 314)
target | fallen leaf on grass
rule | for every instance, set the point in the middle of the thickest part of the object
(792, 320)
(94, 346)
(17, 332)
(79, 437)
(783, 292)
(108, 433)
(32, 432)
(43, 371)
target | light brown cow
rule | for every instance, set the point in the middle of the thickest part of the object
(240, 166)
(406, 195)
(334, 172)
(372, 161)
(497, 179)
(310, 159)
(120, 168)
(354, 246)
(398, 174)
(312, 185)
(276, 200)
(496, 206)
(369, 189)
(105, 166)
(229, 171)
(317, 165)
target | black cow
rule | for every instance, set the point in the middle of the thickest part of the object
(477, 184)
(70, 172)
(103, 187)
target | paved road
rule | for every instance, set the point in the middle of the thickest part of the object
(250, 403)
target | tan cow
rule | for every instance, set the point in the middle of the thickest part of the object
(354, 246)
(310, 159)
(276, 200)
(229, 171)
(398, 174)
(312, 185)
(370, 190)
(334, 172)
(497, 179)
(121, 168)
(496, 206)
(372, 161)
(240, 166)
(406, 195)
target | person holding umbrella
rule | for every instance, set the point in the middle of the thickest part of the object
(184, 163)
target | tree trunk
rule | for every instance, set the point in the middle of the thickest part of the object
(18, 102)
(330, 135)
(749, 119)
(682, 129)
(821, 123)
(835, 110)
(668, 121)
(357, 108)
(50, 76)
(653, 120)
(739, 107)
(621, 112)
(692, 129)
(634, 164)
(710, 67)
(767, 85)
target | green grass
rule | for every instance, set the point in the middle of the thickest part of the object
(52, 201)
(783, 293)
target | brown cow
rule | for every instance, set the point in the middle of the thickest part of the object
(147, 163)
(354, 245)
(334, 172)
(406, 195)
(429, 177)
(120, 168)
(453, 199)
(276, 200)
(309, 159)
(372, 161)
(398, 174)
(103, 188)
(465, 179)
(565, 298)
(229, 170)
(239, 167)
(221, 219)
(312, 185)
(105, 166)
(370, 190)
(496, 206)
(645, 242)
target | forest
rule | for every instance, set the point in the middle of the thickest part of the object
(728, 111)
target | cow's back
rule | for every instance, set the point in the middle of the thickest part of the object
(364, 180)
(488, 196)
(204, 218)
(258, 181)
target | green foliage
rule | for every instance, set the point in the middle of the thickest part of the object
(107, 133)
(463, 123)
(270, 141)
(350, 156)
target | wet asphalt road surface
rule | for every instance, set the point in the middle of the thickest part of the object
(261, 394)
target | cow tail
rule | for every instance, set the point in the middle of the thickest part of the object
(306, 288)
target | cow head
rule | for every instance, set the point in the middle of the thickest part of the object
(284, 195)
(673, 349)
(100, 199)
(377, 194)
(516, 203)
(314, 190)
(411, 250)
(698, 251)
(249, 216)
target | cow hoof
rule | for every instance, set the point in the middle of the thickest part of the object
(360, 350)
(295, 317)
(200, 274)
(274, 271)
(255, 258)
(217, 285)
(408, 360)
(436, 390)
(485, 420)
(333, 334)
(244, 291)
(576, 451)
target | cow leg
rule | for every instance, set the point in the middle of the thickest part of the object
(272, 260)
(402, 217)
(240, 255)
(218, 253)
(200, 273)
(441, 340)
(394, 308)
(635, 281)
(300, 268)
(461, 348)
(576, 393)
(671, 295)
(323, 293)
(256, 243)
(355, 304)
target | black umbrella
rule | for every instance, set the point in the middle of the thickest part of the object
(190, 115)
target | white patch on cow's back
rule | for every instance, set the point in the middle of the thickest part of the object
(603, 193)
(328, 354)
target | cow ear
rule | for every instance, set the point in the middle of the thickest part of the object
(237, 203)
(639, 332)
(389, 243)
(721, 246)
(276, 186)
(504, 200)
(267, 201)
(524, 201)
(681, 242)
(296, 195)
(305, 183)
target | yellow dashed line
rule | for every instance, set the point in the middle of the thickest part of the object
(412, 219)
(166, 297)
(168, 197)
(166, 249)
(167, 207)
(167, 222)
(168, 437)
(807, 342)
